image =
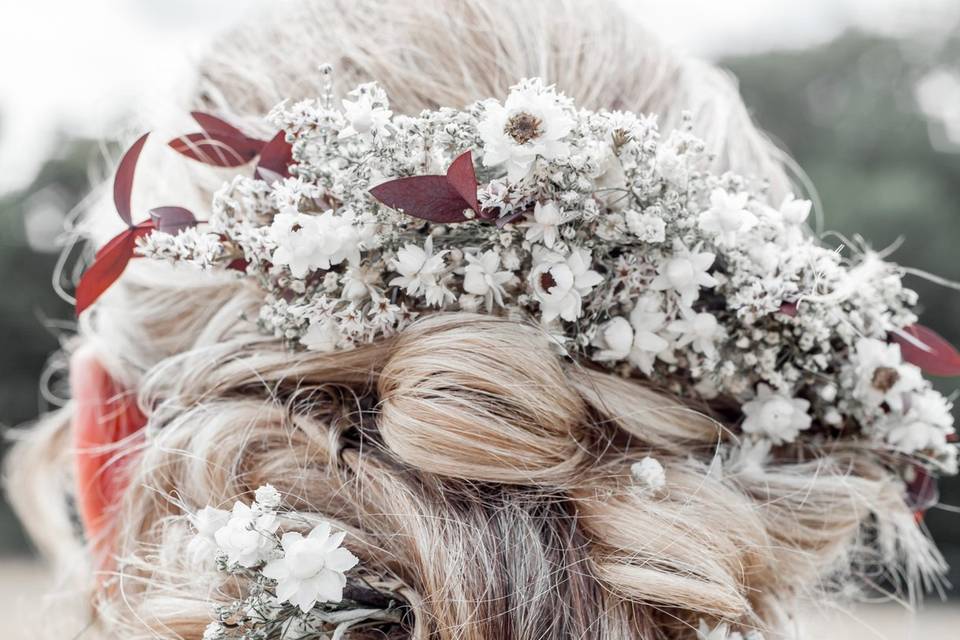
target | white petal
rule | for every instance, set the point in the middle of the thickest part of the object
(341, 560)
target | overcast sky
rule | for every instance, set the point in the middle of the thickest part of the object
(79, 65)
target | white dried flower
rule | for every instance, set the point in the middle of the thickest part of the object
(700, 330)
(647, 227)
(532, 123)
(560, 284)
(546, 222)
(727, 216)
(419, 268)
(267, 496)
(245, 537)
(685, 273)
(312, 567)
(482, 277)
(775, 416)
(649, 474)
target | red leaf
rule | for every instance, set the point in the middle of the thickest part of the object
(123, 180)
(462, 177)
(923, 347)
(440, 199)
(209, 150)
(172, 219)
(222, 130)
(789, 309)
(275, 159)
(108, 265)
(221, 144)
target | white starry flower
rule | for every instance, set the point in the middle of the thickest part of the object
(648, 473)
(419, 269)
(207, 522)
(246, 538)
(615, 340)
(312, 568)
(672, 165)
(308, 242)
(647, 320)
(482, 277)
(699, 330)
(267, 496)
(647, 227)
(727, 215)
(544, 228)
(322, 335)
(361, 282)
(560, 283)
(532, 123)
(685, 273)
(365, 116)
(775, 416)
(794, 212)
(722, 632)
(881, 374)
(924, 427)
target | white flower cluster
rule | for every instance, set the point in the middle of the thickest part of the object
(617, 239)
(296, 581)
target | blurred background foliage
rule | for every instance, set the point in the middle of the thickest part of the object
(847, 111)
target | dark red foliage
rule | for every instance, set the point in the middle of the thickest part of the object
(926, 349)
(220, 144)
(110, 261)
(441, 199)
(275, 159)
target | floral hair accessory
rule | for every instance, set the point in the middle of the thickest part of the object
(297, 585)
(614, 236)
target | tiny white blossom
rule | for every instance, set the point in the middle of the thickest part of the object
(793, 211)
(546, 222)
(365, 116)
(246, 537)
(881, 374)
(323, 335)
(531, 123)
(360, 282)
(482, 277)
(615, 340)
(700, 330)
(775, 416)
(925, 427)
(309, 242)
(685, 273)
(647, 320)
(419, 268)
(560, 284)
(647, 227)
(727, 215)
(649, 474)
(207, 522)
(312, 567)
(267, 496)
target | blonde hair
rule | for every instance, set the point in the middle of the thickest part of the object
(468, 460)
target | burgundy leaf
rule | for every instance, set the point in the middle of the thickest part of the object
(503, 221)
(926, 349)
(208, 150)
(462, 177)
(789, 309)
(108, 265)
(123, 180)
(275, 159)
(221, 129)
(431, 198)
(172, 219)
(440, 199)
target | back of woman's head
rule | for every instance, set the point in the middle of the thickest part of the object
(482, 474)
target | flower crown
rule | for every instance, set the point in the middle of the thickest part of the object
(618, 240)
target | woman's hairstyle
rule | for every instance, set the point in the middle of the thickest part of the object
(465, 457)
